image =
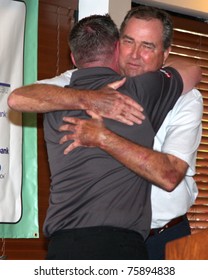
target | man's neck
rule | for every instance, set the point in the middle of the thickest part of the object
(109, 64)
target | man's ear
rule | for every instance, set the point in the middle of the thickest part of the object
(166, 54)
(117, 50)
(72, 58)
(115, 56)
(118, 47)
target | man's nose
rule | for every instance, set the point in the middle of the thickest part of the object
(136, 51)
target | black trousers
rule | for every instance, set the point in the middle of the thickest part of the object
(156, 243)
(97, 243)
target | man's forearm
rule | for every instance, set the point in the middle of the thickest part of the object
(160, 169)
(106, 102)
(43, 98)
(163, 170)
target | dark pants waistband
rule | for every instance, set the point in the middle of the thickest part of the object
(97, 243)
(170, 224)
(96, 230)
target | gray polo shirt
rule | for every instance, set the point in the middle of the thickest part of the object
(90, 188)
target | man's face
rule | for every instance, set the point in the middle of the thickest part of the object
(141, 47)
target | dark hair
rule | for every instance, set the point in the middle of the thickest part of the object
(93, 38)
(148, 13)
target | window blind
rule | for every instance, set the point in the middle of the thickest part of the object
(191, 41)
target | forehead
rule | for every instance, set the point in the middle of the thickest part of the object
(148, 30)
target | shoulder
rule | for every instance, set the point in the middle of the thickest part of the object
(187, 110)
(167, 79)
(192, 99)
(167, 73)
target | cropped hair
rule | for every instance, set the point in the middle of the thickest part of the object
(149, 13)
(93, 38)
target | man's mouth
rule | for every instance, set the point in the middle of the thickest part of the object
(134, 65)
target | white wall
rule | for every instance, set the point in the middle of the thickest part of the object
(116, 8)
(89, 7)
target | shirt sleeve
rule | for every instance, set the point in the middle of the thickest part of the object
(61, 80)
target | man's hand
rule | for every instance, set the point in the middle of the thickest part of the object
(87, 133)
(111, 104)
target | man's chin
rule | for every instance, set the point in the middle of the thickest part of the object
(133, 73)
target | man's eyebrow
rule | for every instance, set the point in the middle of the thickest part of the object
(127, 37)
(150, 44)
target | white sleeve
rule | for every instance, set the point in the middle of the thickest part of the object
(180, 133)
(61, 80)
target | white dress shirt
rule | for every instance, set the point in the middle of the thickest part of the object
(179, 135)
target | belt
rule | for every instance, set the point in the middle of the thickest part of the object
(170, 224)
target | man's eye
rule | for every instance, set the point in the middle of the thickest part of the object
(126, 41)
(148, 46)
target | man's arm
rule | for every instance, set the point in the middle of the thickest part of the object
(163, 170)
(42, 98)
(106, 102)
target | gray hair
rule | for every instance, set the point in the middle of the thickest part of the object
(148, 13)
(93, 38)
